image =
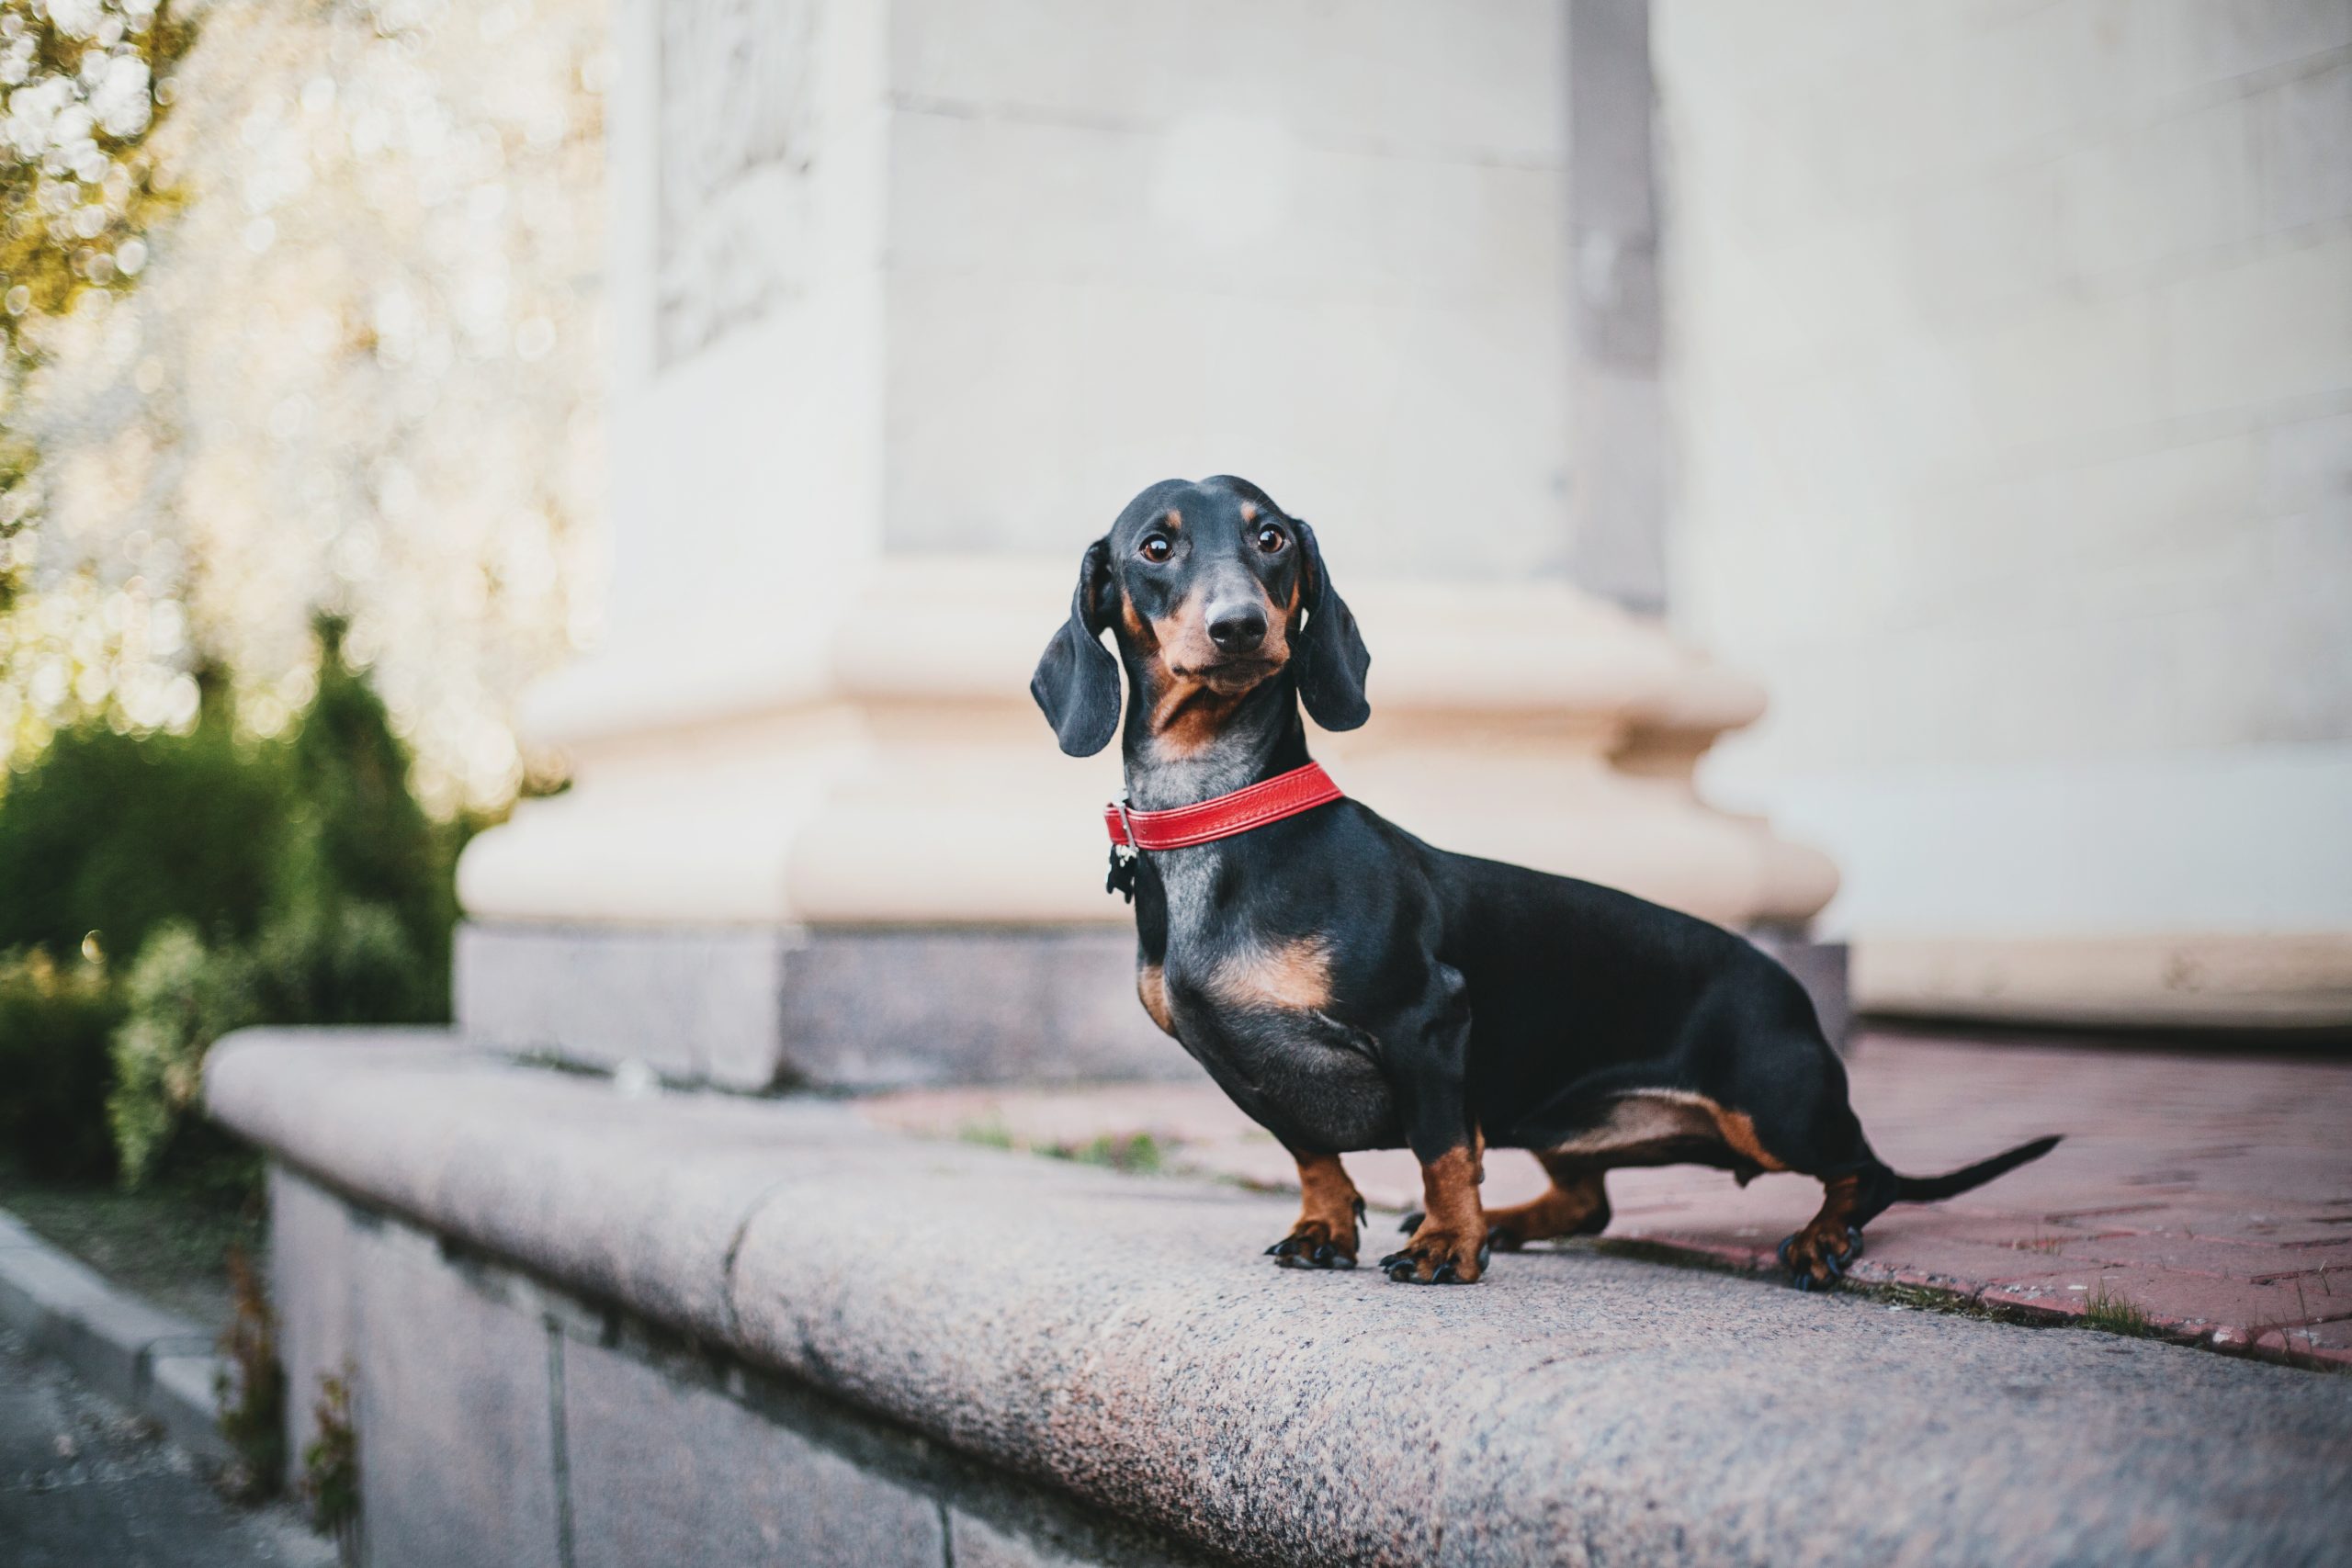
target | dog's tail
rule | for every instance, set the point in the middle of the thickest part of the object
(1929, 1189)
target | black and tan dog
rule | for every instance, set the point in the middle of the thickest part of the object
(1353, 988)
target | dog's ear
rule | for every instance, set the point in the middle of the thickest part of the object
(1076, 681)
(1332, 659)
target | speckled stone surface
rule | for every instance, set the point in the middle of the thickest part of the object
(722, 1485)
(1121, 1338)
(2208, 1191)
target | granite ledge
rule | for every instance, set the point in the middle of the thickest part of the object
(1121, 1338)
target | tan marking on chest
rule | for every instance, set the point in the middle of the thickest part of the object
(1653, 1118)
(1151, 988)
(1292, 975)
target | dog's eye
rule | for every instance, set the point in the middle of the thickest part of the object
(1271, 539)
(1155, 547)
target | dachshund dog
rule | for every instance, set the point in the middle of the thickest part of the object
(1351, 988)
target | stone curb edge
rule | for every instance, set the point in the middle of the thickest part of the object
(159, 1364)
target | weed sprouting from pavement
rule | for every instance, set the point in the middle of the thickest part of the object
(331, 1463)
(1136, 1153)
(2116, 1314)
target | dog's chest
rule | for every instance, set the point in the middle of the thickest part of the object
(1254, 1010)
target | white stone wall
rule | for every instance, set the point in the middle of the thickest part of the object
(978, 274)
(2011, 348)
(1320, 246)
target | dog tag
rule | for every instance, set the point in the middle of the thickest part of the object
(1122, 873)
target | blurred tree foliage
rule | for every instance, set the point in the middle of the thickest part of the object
(291, 881)
(86, 85)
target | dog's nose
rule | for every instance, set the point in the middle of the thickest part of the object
(1238, 630)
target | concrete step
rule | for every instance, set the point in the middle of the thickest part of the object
(578, 1315)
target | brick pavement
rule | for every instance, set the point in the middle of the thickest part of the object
(2210, 1193)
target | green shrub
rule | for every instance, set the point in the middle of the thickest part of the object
(182, 996)
(54, 1024)
(289, 882)
(118, 834)
(357, 834)
(345, 963)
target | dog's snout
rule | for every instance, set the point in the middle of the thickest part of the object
(1238, 628)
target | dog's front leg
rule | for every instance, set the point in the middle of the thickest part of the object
(1329, 1212)
(1431, 1066)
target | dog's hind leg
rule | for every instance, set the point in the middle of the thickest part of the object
(1794, 1115)
(1856, 1188)
(1577, 1204)
(1816, 1256)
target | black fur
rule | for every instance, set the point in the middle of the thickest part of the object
(1465, 996)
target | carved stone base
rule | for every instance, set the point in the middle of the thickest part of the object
(866, 1007)
(759, 1008)
(864, 861)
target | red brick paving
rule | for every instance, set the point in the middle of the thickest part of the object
(2211, 1192)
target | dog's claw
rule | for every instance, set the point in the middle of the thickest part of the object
(1303, 1251)
(1411, 1222)
(1405, 1269)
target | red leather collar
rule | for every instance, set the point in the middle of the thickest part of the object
(1221, 816)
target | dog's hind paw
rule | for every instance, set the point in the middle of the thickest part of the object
(1814, 1262)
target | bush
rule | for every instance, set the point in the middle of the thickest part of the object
(182, 997)
(289, 882)
(345, 963)
(356, 833)
(356, 930)
(118, 834)
(54, 1024)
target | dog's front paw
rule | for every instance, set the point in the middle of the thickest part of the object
(1320, 1241)
(1315, 1244)
(1437, 1257)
